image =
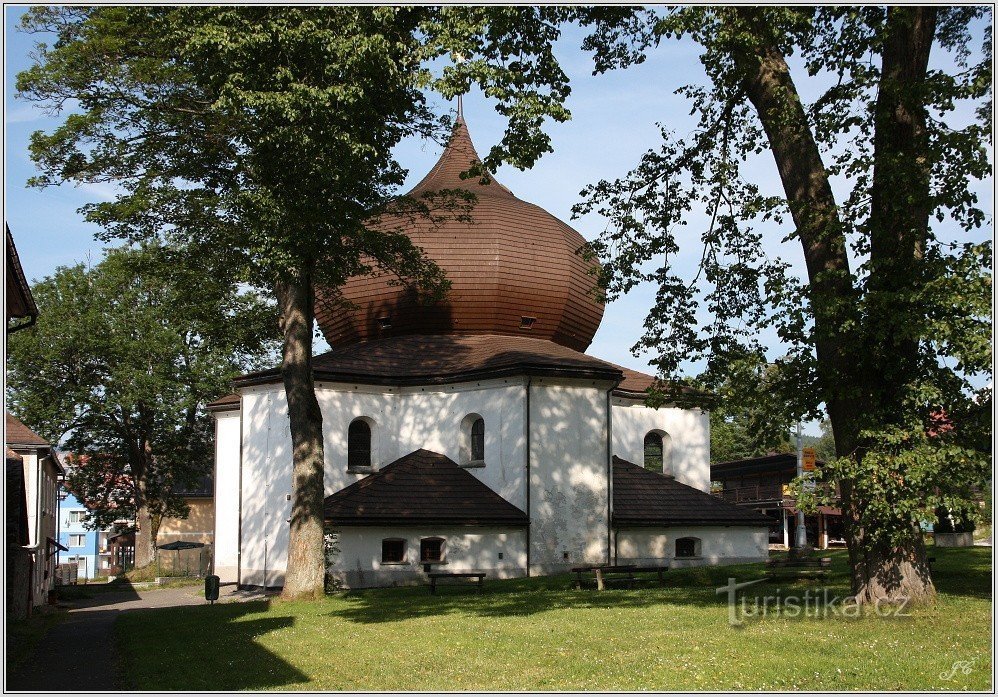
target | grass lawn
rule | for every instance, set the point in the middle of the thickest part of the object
(540, 634)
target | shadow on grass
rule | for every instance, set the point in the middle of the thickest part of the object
(527, 596)
(94, 595)
(962, 571)
(204, 647)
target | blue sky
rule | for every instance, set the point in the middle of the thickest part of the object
(615, 119)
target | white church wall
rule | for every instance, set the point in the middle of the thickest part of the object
(718, 545)
(266, 486)
(407, 419)
(569, 487)
(689, 433)
(358, 564)
(226, 538)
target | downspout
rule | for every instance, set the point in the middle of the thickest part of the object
(527, 428)
(611, 547)
(239, 538)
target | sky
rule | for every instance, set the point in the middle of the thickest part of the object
(615, 118)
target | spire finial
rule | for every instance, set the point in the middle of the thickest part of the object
(458, 59)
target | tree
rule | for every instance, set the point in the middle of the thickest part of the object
(263, 135)
(119, 368)
(892, 323)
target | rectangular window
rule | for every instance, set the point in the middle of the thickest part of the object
(77, 540)
(392, 551)
(431, 549)
(687, 547)
(77, 516)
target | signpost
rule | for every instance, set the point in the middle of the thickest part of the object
(809, 459)
(800, 538)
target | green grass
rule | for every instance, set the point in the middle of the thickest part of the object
(540, 634)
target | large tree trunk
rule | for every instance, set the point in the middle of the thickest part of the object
(880, 573)
(305, 577)
(144, 542)
(899, 217)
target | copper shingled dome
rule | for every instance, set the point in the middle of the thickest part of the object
(513, 270)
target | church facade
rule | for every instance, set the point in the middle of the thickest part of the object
(474, 433)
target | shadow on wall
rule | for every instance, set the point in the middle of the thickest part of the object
(189, 639)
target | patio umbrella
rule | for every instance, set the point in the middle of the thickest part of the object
(179, 545)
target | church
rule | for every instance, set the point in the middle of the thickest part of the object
(474, 434)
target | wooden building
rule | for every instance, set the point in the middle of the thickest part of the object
(762, 484)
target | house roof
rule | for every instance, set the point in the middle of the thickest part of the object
(764, 464)
(447, 358)
(505, 259)
(226, 403)
(422, 487)
(19, 434)
(645, 498)
(20, 302)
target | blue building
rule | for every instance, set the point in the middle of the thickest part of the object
(85, 548)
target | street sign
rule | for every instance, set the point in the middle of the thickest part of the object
(809, 459)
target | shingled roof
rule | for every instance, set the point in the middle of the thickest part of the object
(506, 260)
(645, 498)
(225, 403)
(447, 358)
(19, 434)
(420, 488)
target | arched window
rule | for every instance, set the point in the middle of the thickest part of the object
(478, 439)
(687, 547)
(658, 452)
(359, 444)
(472, 447)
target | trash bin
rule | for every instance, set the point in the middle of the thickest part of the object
(211, 584)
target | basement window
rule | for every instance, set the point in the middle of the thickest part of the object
(687, 547)
(393, 551)
(527, 322)
(431, 549)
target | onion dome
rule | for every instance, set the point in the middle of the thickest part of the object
(513, 269)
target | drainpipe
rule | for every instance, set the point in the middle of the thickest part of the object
(527, 428)
(611, 538)
(239, 515)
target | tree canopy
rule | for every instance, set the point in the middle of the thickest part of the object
(119, 367)
(889, 330)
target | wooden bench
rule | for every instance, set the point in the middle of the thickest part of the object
(807, 566)
(435, 575)
(605, 573)
(660, 570)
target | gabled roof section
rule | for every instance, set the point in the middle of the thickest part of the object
(421, 488)
(642, 498)
(20, 302)
(19, 434)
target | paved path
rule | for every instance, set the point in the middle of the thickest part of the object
(79, 652)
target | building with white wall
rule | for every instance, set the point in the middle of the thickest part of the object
(41, 471)
(474, 433)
